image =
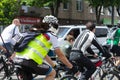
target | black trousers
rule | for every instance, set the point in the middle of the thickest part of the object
(30, 66)
(83, 61)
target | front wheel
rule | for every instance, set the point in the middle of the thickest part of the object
(110, 76)
(68, 77)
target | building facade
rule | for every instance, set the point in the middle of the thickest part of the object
(74, 12)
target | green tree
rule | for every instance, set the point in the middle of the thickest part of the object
(98, 4)
(9, 9)
(52, 4)
(117, 5)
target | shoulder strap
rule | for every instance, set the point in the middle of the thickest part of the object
(13, 31)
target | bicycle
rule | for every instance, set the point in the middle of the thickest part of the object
(104, 67)
(102, 72)
(6, 67)
(99, 66)
(112, 71)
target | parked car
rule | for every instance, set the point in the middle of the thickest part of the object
(64, 30)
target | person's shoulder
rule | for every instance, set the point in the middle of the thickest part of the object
(51, 33)
(11, 26)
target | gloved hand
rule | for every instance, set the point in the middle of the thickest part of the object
(73, 70)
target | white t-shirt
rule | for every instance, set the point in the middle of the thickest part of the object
(53, 40)
(8, 32)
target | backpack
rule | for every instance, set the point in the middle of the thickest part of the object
(20, 41)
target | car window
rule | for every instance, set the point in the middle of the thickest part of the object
(101, 32)
(83, 29)
(62, 31)
(75, 32)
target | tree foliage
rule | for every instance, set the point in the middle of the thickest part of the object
(52, 4)
(98, 4)
(117, 5)
(8, 11)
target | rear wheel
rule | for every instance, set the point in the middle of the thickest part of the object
(68, 77)
(6, 70)
(110, 76)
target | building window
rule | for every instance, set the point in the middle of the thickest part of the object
(118, 11)
(79, 5)
(92, 10)
(110, 10)
(65, 6)
(102, 11)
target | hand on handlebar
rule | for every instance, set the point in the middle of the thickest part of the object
(95, 55)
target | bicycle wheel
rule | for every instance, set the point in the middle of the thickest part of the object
(68, 77)
(6, 70)
(110, 76)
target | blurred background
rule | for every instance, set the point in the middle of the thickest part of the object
(69, 12)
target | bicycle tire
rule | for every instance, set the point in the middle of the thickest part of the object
(68, 77)
(110, 76)
(6, 71)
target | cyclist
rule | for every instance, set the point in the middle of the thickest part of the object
(67, 45)
(114, 40)
(81, 45)
(7, 35)
(38, 49)
(53, 29)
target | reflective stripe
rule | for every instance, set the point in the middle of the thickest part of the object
(38, 53)
(41, 44)
(38, 47)
(44, 40)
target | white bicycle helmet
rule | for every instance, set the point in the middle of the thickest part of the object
(50, 19)
(53, 22)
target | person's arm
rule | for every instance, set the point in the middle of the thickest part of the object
(48, 59)
(96, 44)
(101, 49)
(89, 50)
(2, 48)
(12, 56)
(63, 58)
(59, 53)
